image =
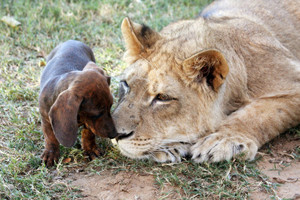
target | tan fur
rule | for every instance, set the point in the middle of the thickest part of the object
(182, 99)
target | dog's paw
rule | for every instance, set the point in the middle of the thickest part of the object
(93, 152)
(218, 147)
(50, 157)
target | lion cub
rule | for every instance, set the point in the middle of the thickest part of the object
(215, 87)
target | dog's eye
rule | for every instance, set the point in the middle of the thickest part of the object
(99, 115)
(123, 89)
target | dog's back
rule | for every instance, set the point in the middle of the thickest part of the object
(69, 56)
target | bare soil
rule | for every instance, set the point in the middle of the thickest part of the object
(280, 166)
(124, 185)
(277, 163)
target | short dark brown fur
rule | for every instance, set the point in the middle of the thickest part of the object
(74, 91)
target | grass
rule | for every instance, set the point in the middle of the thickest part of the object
(44, 24)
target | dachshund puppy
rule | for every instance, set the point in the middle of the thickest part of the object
(74, 91)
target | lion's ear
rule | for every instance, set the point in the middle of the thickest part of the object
(209, 65)
(138, 38)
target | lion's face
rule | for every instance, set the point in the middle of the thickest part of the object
(161, 113)
(154, 112)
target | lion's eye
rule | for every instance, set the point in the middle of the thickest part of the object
(163, 97)
(123, 89)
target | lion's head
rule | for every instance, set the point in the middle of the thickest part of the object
(170, 93)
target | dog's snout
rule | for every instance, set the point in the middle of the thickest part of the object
(112, 133)
(124, 135)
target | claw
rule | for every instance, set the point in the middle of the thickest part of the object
(50, 157)
(93, 153)
(218, 147)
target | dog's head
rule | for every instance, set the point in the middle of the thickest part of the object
(87, 100)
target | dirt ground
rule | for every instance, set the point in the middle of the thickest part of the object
(278, 165)
(124, 185)
(281, 167)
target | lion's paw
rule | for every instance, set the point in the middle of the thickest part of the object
(173, 154)
(218, 147)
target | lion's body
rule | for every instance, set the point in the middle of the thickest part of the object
(232, 75)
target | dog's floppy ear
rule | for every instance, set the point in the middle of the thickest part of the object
(93, 66)
(63, 117)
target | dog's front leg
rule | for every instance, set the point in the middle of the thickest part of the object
(51, 152)
(249, 128)
(89, 144)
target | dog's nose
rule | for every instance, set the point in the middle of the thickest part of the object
(122, 136)
(113, 133)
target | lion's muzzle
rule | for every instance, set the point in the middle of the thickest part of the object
(124, 135)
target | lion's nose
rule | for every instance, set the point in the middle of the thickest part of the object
(122, 136)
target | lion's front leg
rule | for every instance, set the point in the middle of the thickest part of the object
(249, 128)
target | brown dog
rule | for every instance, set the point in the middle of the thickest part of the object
(74, 91)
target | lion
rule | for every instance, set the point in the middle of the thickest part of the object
(215, 87)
